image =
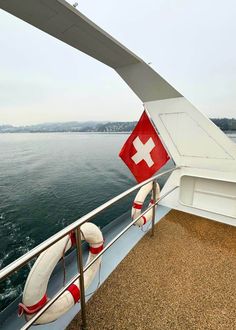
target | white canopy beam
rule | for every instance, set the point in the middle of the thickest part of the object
(64, 22)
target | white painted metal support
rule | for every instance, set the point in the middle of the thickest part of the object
(64, 22)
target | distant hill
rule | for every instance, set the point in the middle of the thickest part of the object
(89, 126)
(118, 126)
(225, 124)
(72, 126)
(94, 126)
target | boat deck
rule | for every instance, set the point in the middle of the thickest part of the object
(182, 278)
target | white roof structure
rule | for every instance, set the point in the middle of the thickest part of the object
(64, 22)
(205, 155)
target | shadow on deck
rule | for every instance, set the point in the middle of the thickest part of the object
(182, 278)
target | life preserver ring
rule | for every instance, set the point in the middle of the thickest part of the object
(34, 295)
(138, 203)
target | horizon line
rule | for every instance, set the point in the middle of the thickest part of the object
(89, 121)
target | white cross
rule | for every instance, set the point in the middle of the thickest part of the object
(143, 151)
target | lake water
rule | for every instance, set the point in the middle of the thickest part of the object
(49, 180)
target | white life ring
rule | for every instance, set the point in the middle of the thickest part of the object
(138, 203)
(34, 295)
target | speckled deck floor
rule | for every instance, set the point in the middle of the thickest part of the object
(184, 278)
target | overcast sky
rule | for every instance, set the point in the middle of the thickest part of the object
(190, 43)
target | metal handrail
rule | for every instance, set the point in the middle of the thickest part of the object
(76, 277)
(18, 263)
(14, 266)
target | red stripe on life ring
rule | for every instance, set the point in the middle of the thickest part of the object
(96, 250)
(32, 309)
(75, 291)
(144, 220)
(137, 206)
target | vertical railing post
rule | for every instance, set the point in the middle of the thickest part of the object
(154, 189)
(81, 279)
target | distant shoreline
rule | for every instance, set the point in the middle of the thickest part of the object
(225, 124)
(87, 132)
(99, 133)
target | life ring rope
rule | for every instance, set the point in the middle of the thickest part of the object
(32, 309)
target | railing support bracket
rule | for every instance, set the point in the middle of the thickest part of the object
(154, 190)
(81, 278)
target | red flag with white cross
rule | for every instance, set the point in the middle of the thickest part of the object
(143, 152)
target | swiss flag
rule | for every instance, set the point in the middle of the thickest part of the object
(143, 152)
